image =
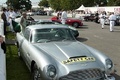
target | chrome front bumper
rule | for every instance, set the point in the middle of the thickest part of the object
(110, 78)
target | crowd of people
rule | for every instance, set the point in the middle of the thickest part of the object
(62, 15)
(100, 17)
(7, 16)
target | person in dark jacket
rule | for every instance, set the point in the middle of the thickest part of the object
(2, 43)
(96, 17)
(4, 18)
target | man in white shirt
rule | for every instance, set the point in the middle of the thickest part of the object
(12, 16)
(102, 19)
(112, 19)
(23, 21)
(63, 17)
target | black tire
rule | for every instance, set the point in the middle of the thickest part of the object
(75, 24)
(19, 54)
(36, 73)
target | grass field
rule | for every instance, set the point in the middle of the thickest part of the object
(16, 68)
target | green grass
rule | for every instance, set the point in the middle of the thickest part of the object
(15, 67)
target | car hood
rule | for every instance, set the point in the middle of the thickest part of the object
(70, 56)
(64, 50)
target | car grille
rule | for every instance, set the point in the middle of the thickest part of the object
(89, 74)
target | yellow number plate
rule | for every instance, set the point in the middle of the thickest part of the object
(82, 59)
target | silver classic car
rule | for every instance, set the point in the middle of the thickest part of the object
(51, 52)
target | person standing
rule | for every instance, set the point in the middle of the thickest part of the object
(4, 18)
(2, 44)
(63, 17)
(58, 15)
(23, 21)
(96, 17)
(12, 16)
(102, 19)
(112, 19)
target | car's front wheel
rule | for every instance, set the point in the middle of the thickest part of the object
(18, 51)
(36, 73)
(19, 54)
(75, 24)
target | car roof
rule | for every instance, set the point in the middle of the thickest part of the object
(41, 26)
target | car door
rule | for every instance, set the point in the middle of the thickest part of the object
(25, 46)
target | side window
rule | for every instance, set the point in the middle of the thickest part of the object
(27, 34)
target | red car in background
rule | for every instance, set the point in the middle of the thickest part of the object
(70, 21)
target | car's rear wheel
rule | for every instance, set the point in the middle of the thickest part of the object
(36, 73)
(75, 24)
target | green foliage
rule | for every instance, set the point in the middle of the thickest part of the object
(110, 2)
(70, 4)
(87, 3)
(19, 4)
(64, 4)
(55, 4)
(44, 3)
(74, 4)
(117, 3)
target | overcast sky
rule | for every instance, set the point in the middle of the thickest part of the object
(33, 1)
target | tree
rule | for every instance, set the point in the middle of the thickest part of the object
(100, 2)
(64, 4)
(19, 4)
(44, 3)
(55, 4)
(87, 3)
(117, 3)
(113, 3)
(74, 4)
(70, 4)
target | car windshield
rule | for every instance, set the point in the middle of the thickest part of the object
(52, 34)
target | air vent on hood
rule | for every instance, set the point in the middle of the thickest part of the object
(77, 57)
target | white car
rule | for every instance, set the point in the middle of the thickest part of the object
(30, 13)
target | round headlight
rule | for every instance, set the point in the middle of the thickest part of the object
(109, 63)
(51, 71)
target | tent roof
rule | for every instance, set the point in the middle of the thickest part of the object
(81, 8)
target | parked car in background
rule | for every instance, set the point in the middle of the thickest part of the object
(89, 17)
(70, 21)
(117, 22)
(30, 13)
(41, 12)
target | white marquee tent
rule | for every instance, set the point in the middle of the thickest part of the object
(81, 8)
